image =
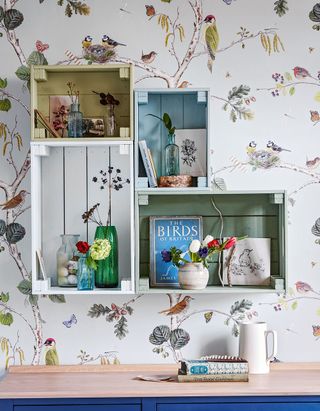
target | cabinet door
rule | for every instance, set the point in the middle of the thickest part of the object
(272, 406)
(71, 407)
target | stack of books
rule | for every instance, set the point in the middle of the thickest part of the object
(148, 163)
(214, 368)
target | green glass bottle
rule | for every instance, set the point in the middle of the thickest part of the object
(172, 167)
(107, 275)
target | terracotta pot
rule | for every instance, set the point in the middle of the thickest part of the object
(193, 276)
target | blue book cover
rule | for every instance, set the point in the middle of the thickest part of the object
(166, 232)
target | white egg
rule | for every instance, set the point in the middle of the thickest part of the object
(72, 279)
(63, 272)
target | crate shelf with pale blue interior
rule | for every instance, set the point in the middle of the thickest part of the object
(63, 189)
(188, 109)
(260, 214)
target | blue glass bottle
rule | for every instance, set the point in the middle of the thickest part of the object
(75, 121)
(85, 275)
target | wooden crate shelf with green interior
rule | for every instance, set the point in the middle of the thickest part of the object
(50, 82)
(256, 214)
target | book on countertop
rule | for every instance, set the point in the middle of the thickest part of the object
(215, 365)
(147, 163)
(213, 378)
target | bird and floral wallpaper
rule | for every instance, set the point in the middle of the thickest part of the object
(261, 60)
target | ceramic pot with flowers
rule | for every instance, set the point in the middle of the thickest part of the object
(193, 271)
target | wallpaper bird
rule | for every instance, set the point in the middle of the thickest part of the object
(251, 148)
(16, 201)
(148, 58)
(109, 43)
(51, 355)
(180, 308)
(211, 38)
(275, 148)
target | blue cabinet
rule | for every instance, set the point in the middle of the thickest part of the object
(290, 403)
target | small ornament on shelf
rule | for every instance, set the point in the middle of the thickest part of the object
(110, 102)
(67, 261)
(75, 115)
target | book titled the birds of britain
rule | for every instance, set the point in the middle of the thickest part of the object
(167, 232)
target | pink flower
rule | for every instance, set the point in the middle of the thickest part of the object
(230, 243)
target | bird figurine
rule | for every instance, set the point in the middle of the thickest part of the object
(51, 355)
(251, 148)
(148, 58)
(275, 148)
(184, 84)
(211, 39)
(312, 164)
(301, 73)
(87, 42)
(179, 308)
(109, 43)
(15, 201)
(150, 10)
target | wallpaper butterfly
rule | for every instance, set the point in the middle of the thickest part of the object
(68, 323)
(228, 2)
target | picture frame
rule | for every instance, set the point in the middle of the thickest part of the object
(166, 232)
(93, 127)
(248, 263)
(59, 108)
(192, 145)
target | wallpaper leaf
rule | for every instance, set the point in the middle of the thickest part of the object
(5, 104)
(23, 73)
(57, 298)
(121, 328)
(1, 13)
(6, 318)
(3, 83)
(160, 335)
(25, 287)
(37, 59)
(281, 7)
(240, 306)
(179, 338)
(12, 19)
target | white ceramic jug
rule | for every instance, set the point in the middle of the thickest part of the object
(253, 346)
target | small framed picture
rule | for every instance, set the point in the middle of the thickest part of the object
(93, 127)
(192, 145)
(166, 232)
(59, 107)
(248, 262)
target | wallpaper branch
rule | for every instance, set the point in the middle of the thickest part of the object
(236, 63)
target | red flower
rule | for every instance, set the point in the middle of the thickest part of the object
(230, 243)
(83, 247)
(214, 243)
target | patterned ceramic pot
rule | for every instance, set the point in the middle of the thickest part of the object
(193, 276)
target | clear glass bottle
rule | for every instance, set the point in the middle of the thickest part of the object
(172, 167)
(110, 121)
(67, 261)
(75, 121)
(85, 275)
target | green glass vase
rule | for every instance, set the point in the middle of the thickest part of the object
(106, 275)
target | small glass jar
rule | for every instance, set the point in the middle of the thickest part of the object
(67, 261)
(111, 125)
(85, 275)
(75, 121)
(172, 167)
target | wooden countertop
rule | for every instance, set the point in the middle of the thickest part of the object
(118, 381)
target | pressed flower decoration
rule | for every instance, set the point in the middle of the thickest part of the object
(199, 252)
(110, 179)
(99, 250)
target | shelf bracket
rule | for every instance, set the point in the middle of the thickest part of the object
(143, 285)
(41, 286)
(143, 199)
(123, 149)
(41, 150)
(124, 73)
(124, 132)
(40, 74)
(277, 283)
(276, 198)
(142, 97)
(201, 97)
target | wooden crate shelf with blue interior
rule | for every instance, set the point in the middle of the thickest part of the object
(256, 214)
(49, 93)
(189, 113)
(65, 182)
